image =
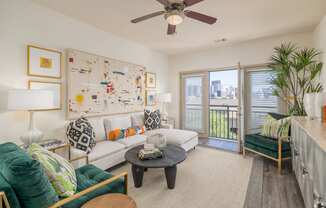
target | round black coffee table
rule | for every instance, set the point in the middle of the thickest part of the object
(173, 155)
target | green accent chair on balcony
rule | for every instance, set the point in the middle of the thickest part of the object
(274, 149)
(24, 184)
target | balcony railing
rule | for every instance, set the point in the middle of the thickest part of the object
(223, 121)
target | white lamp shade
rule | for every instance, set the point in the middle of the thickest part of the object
(30, 99)
(164, 98)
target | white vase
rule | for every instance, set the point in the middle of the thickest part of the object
(309, 104)
(319, 102)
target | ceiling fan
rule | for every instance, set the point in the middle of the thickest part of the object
(174, 13)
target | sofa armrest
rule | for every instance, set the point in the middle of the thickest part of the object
(93, 188)
(3, 199)
(80, 158)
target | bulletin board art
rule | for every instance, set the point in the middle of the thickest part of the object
(99, 85)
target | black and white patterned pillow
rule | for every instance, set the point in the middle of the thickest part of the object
(81, 135)
(152, 119)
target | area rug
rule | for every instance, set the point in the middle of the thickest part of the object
(208, 178)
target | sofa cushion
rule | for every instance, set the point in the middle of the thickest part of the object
(276, 128)
(26, 176)
(174, 136)
(152, 119)
(123, 122)
(137, 119)
(98, 126)
(81, 134)
(116, 134)
(105, 148)
(60, 172)
(90, 175)
(132, 140)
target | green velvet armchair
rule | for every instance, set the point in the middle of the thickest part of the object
(275, 149)
(24, 184)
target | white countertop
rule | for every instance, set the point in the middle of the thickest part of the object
(314, 128)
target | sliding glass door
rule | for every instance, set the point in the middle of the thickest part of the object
(223, 105)
(259, 98)
(194, 102)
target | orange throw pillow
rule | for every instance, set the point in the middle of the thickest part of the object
(117, 134)
(131, 132)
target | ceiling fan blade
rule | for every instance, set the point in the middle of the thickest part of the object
(191, 2)
(164, 2)
(139, 19)
(200, 17)
(171, 29)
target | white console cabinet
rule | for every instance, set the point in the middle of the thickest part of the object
(308, 146)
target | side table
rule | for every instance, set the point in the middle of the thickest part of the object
(54, 144)
(111, 201)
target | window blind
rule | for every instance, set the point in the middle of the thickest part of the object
(261, 99)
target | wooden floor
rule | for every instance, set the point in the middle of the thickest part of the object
(268, 189)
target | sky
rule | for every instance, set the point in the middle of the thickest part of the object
(228, 77)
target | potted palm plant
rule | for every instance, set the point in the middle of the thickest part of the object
(296, 74)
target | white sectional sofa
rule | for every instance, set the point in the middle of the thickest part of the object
(107, 154)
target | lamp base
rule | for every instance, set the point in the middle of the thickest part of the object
(33, 135)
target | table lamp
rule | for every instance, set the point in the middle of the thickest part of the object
(164, 99)
(30, 100)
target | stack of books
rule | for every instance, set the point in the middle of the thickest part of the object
(150, 154)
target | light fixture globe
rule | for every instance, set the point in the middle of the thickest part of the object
(174, 17)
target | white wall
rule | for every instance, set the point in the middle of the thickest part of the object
(247, 53)
(23, 22)
(320, 43)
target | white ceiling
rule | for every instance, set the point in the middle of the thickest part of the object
(238, 20)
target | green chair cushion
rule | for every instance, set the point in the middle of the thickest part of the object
(90, 175)
(267, 151)
(266, 145)
(10, 193)
(26, 177)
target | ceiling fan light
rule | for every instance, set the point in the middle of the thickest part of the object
(174, 18)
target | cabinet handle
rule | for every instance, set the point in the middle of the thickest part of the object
(318, 201)
(320, 205)
(296, 152)
(304, 171)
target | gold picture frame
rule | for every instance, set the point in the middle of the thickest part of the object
(47, 85)
(151, 98)
(43, 62)
(150, 80)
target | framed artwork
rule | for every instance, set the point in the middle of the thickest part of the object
(42, 62)
(150, 80)
(55, 87)
(151, 97)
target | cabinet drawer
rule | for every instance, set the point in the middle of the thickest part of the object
(307, 191)
(319, 173)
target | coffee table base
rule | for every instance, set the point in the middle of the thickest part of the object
(138, 174)
(170, 175)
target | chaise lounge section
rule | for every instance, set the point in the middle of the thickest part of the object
(107, 154)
